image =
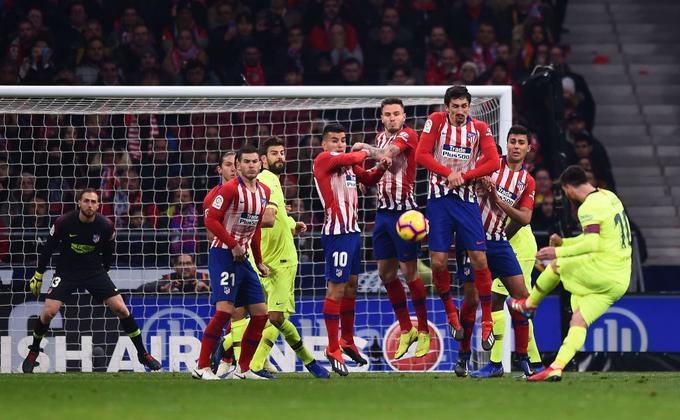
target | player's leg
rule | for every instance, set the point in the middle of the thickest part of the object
(468, 315)
(239, 322)
(50, 310)
(337, 275)
(348, 304)
(439, 242)
(516, 287)
(419, 300)
(546, 282)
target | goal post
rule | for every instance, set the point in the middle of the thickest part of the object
(151, 151)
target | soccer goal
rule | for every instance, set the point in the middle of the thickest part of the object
(152, 153)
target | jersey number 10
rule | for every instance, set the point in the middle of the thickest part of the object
(622, 220)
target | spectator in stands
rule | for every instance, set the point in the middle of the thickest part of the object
(593, 148)
(42, 31)
(110, 74)
(123, 28)
(185, 50)
(87, 72)
(535, 36)
(323, 73)
(466, 18)
(196, 74)
(437, 41)
(446, 71)
(9, 73)
(185, 279)
(351, 73)
(320, 34)
(586, 105)
(543, 185)
(339, 49)
(484, 48)
(132, 52)
(71, 38)
(22, 199)
(469, 73)
(401, 57)
(499, 74)
(400, 76)
(137, 220)
(379, 54)
(157, 169)
(290, 16)
(38, 68)
(185, 20)
(543, 218)
(5, 194)
(183, 222)
(20, 47)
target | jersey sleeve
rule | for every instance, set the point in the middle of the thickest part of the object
(55, 236)
(589, 213)
(527, 199)
(327, 161)
(368, 177)
(424, 150)
(406, 140)
(490, 161)
(214, 214)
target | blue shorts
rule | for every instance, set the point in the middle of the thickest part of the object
(500, 257)
(343, 256)
(235, 282)
(449, 215)
(387, 244)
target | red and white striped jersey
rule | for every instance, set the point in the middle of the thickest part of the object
(336, 184)
(456, 148)
(240, 211)
(395, 188)
(516, 188)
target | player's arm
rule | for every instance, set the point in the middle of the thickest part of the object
(588, 241)
(108, 248)
(269, 216)
(51, 244)
(369, 177)
(489, 162)
(215, 214)
(255, 245)
(512, 228)
(424, 155)
(334, 160)
(525, 209)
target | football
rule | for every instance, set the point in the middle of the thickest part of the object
(412, 226)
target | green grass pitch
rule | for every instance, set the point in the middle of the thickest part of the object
(376, 395)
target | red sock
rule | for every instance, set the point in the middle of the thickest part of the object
(331, 315)
(347, 318)
(397, 297)
(468, 313)
(211, 336)
(419, 300)
(521, 327)
(442, 281)
(483, 285)
(251, 339)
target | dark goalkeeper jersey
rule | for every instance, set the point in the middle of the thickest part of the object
(82, 246)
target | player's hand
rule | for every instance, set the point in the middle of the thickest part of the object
(362, 188)
(547, 253)
(263, 269)
(487, 183)
(36, 284)
(555, 240)
(385, 163)
(358, 146)
(455, 179)
(300, 227)
(238, 253)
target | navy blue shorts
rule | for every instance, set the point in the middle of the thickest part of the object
(449, 215)
(500, 257)
(387, 244)
(235, 282)
(343, 256)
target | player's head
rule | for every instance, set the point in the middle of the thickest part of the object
(227, 168)
(392, 114)
(518, 143)
(457, 100)
(248, 162)
(334, 138)
(88, 202)
(574, 182)
(273, 155)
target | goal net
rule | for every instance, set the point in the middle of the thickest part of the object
(152, 154)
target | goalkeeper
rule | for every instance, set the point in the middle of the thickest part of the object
(87, 241)
(280, 255)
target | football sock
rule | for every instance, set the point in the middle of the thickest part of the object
(251, 339)
(347, 306)
(532, 348)
(237, 330)
(442, 281)
(545, 283)
(521, 327)
(228, 341)
(483, 286)
(498, 332)
(269, 336)
(130, 327)
(331, 315)
(292, 337)
(39, 333)
(419, 300)
(211, 335)
(397, 297)
(572, 343)
(468, 313)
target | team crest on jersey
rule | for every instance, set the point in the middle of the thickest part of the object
(521, 185)
(471, 135)
(227, 290)
(456, 152)
(351, 181)
(217, 202)
(338, 272)
(95, 238)
(263, 200)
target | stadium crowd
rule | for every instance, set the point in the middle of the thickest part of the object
(154, 170)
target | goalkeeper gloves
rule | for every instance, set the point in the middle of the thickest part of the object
(36, 283)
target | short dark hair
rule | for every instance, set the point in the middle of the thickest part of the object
(332, 128)
(226, 155)
(518, 129)
(456, 92)
(574, 175)
(271, 142)
(244, 150)
(392, 100)
(583, 137)
(85, 191)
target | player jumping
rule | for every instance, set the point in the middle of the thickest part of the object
(449, 147)
(395, 196)
(86, 241)
(594, 267)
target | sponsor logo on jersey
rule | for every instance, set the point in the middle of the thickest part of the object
(428, 126)
(248, 219)
(456, 152)
(82, 248)
(505, 195)
(351, 181)
(217, 202)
